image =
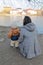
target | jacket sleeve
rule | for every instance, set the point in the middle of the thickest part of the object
(21, 38)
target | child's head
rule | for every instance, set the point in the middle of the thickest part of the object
(15, 31)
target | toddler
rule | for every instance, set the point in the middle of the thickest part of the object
(14, 34)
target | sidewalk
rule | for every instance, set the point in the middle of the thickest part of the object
(11, 56)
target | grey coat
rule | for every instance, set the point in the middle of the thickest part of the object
(29, 46)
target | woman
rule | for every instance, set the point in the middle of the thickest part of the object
(29, 46)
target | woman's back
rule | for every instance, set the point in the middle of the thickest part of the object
(29, 46)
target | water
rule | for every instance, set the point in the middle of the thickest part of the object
(8, 20)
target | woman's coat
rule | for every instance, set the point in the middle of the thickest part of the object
(29, 46)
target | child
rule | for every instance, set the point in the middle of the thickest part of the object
(14, 34)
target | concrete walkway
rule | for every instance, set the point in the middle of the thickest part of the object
(11, 56)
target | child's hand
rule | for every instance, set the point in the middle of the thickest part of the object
(10, 34)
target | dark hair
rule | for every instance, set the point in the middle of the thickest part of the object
(26, 20)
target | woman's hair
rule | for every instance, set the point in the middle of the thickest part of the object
(26, 20)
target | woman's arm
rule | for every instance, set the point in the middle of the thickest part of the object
(21, 38)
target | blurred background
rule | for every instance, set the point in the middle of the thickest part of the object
(13, 11)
